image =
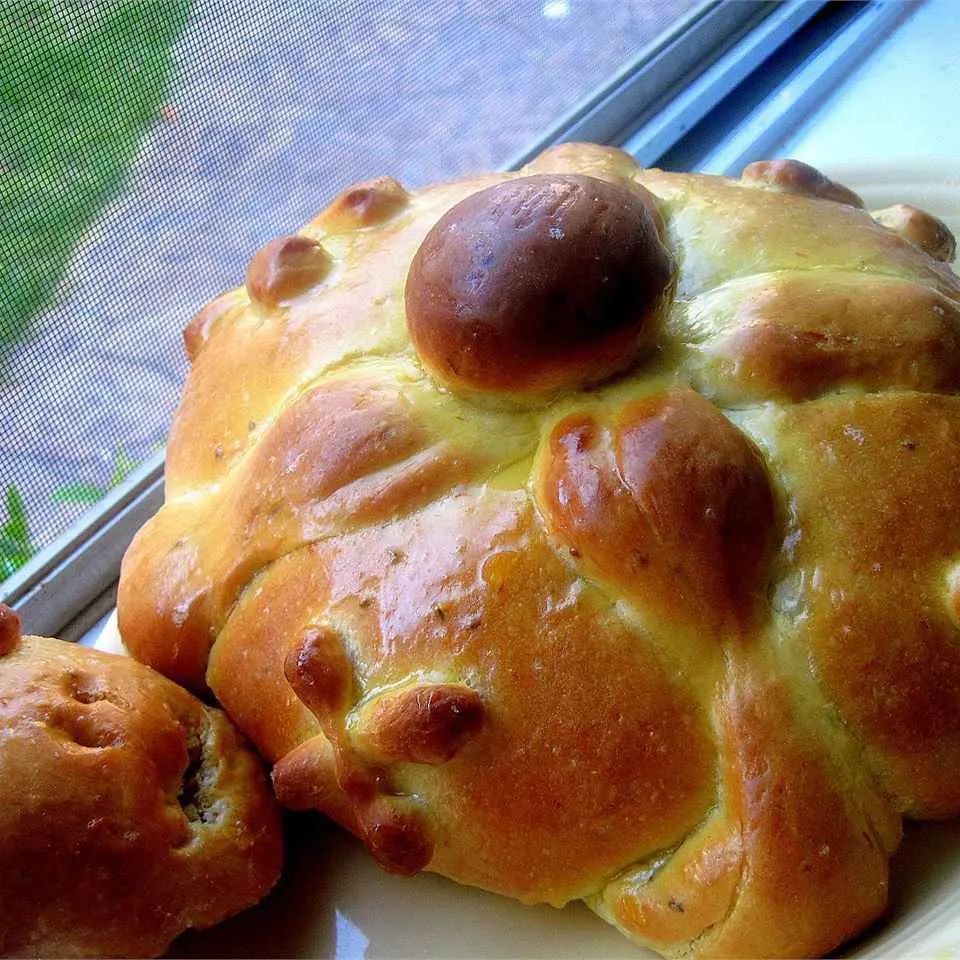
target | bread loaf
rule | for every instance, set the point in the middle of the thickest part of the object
(585, 532)
(130, 810)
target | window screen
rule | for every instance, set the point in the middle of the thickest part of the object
(148, 147)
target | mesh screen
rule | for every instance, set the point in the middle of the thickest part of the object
(148, 148)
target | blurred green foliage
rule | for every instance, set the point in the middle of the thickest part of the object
(80, 83)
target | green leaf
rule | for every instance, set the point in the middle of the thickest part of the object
(85, 493)
(16, 527)
(9, 565)
(15, 546)
(12, 548)
(123, 466)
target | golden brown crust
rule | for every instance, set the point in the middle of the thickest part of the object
(813, 872)
(790, 336)
(670, 503)
(693, 891)
(306, 779)
(508, 821)
(689, 656)
(255, 364)
(720, 229)
(789, 864)
(868, 581)
(197, 332)
(591, 159)
(351, 451)
(166, 600)
(131, 811)
(425, 723)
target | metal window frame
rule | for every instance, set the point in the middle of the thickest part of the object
(804, 87)
(647, 107)
(770, 108)
(676, 80)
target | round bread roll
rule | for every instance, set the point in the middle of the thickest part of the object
(584, 532)
(131, 811)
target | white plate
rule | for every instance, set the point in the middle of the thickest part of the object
(333, 901)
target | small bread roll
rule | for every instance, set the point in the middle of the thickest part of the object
(130, 810)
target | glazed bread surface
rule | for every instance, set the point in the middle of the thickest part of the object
(585, 532)
(130, 812)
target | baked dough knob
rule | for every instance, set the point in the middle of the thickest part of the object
(593, 159)
(318, 670)
(922, 229)
(426, 723)
(538, 284)
(792, 176)
(197, 332)
(363, 205)
(321, 674)
(286, 268)
(668, 501)
(9, 630)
